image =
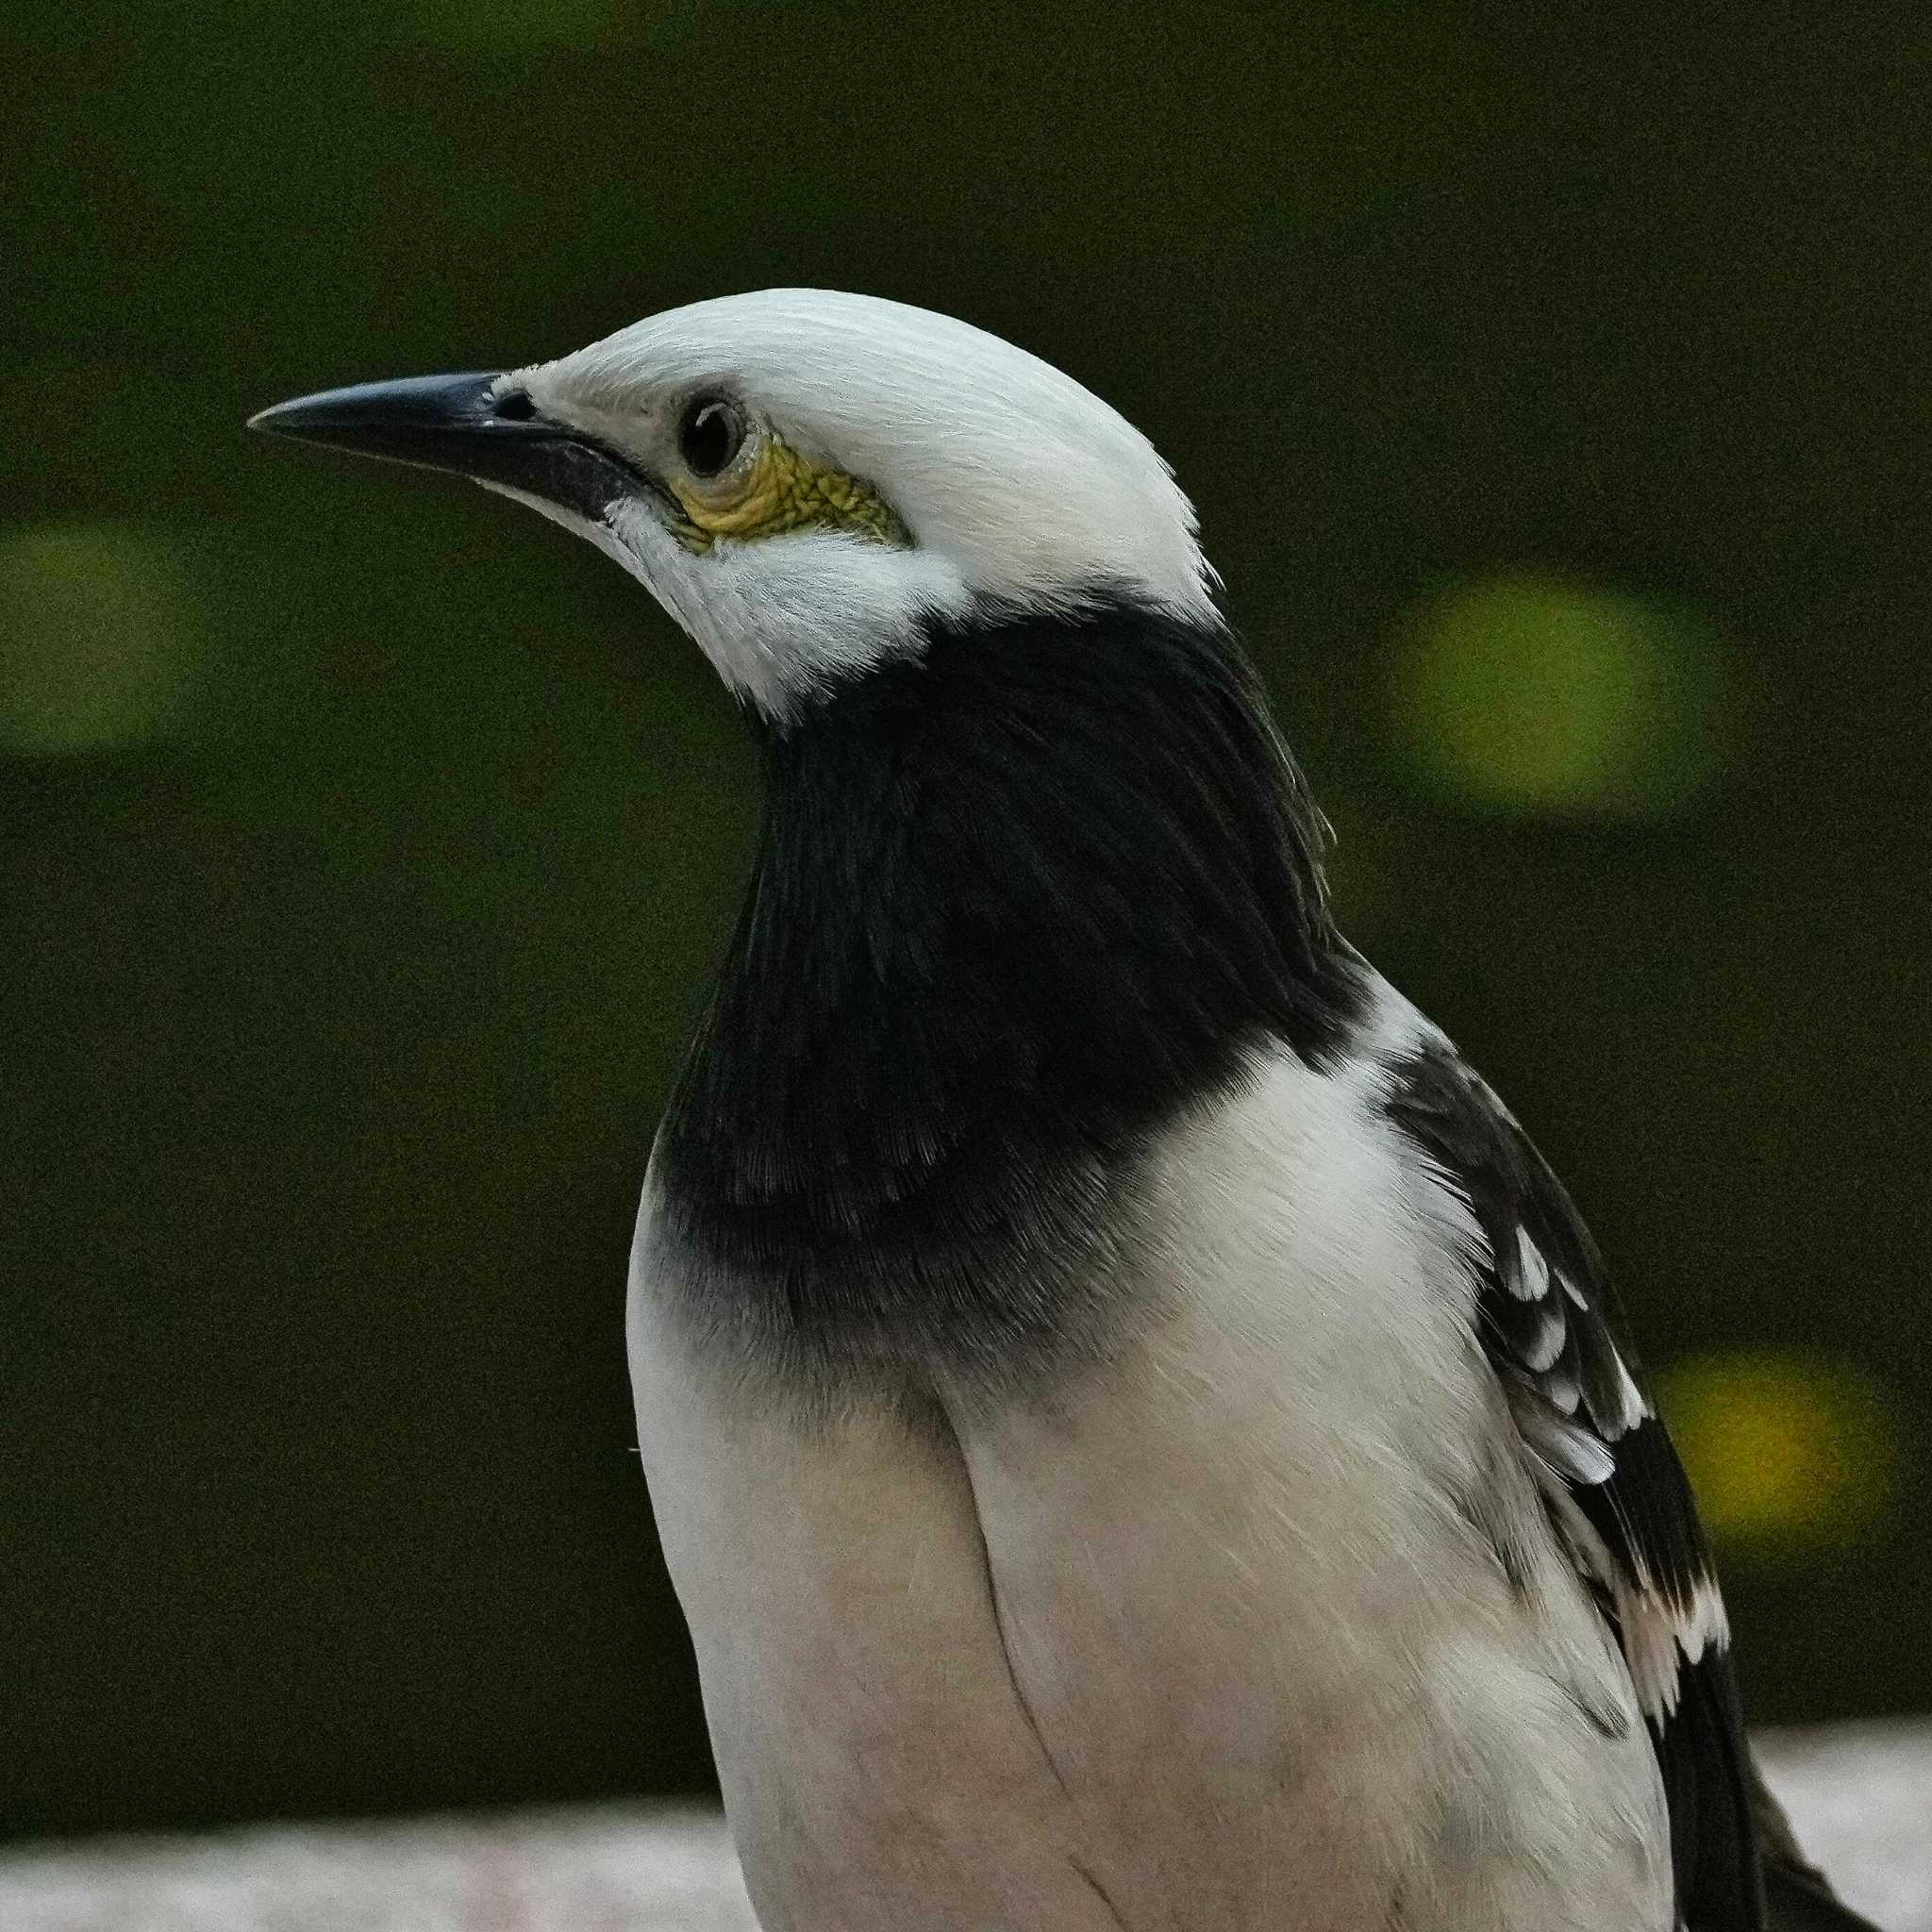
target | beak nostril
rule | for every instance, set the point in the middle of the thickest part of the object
(515, 406)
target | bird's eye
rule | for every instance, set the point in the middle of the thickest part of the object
(710, 436)
(514, 406)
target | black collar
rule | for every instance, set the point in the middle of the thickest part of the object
(1016, 903)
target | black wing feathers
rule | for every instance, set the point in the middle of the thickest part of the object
(1548, 1320)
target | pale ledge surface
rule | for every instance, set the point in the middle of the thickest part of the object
(1861, 1796)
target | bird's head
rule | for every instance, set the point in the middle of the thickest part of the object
(805, 480)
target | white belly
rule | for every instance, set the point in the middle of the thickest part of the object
(1199, 1640)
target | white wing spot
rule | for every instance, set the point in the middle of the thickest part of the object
(1552, 1332)
(1532, 1282)
(1634, 1409)
(1562, 1447)
(1561, 1389)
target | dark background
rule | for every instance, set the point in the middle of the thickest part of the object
(1556, 399)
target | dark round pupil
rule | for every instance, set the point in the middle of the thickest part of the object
(711, 437)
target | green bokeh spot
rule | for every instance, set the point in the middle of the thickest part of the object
(1784, 1451)
(1531, 696)
(99, 636)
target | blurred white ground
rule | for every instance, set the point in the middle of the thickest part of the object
(1862, 1798)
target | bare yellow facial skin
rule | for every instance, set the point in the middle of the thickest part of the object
(780, 490)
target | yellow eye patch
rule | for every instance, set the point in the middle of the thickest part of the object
(784, 491)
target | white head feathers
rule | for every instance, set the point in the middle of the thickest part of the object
(924, 468)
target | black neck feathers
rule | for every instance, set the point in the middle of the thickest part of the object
(1015, 903)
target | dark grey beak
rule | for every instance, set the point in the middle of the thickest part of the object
(455, 423)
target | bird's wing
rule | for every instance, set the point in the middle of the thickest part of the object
(1549, 1322)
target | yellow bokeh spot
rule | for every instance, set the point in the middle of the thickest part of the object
(1780, 1448)
(1538, 696)
(99, 636)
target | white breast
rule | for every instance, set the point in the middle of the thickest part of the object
(1202, 1639)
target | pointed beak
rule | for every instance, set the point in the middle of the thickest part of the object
(462, 425)
(422, 419)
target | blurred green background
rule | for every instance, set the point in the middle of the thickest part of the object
(1556, 399)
